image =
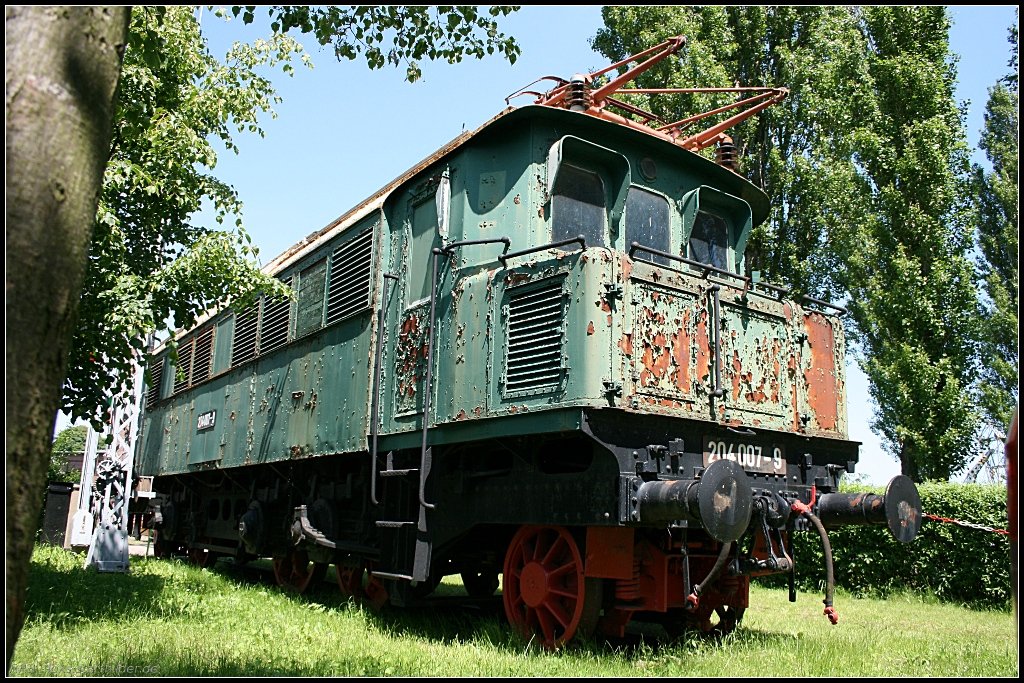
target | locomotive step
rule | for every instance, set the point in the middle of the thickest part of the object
(390, 575)
(393, 524)
(397, 473)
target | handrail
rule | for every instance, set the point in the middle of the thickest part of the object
(552, 245)
(636, 246)
(718, 391)
(428, 388)
(375, 399)
(466, 243)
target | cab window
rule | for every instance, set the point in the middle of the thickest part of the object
(578, 206)
(647, 223)
(709, 240)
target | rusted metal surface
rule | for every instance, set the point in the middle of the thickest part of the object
(822, 383)
(754, 346)
(410, 360)
(780, 367)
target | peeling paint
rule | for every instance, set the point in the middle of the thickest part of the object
(820, 371)
(410, 359)
(626, 345)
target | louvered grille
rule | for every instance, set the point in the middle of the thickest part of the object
(243, 347)
(309, 311)
(349, 290)
(202, 360)
(534, 358)
(156, 375)
(274, 324)
(184, 366)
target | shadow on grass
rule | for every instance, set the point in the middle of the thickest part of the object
(64, 594)
(449, 615)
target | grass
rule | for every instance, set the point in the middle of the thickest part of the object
(167, 618)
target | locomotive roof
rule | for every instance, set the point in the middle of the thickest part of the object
(717, 176)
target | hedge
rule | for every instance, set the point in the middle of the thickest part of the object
(954, 563)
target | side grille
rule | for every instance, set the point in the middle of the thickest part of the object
(309, 311)
(202, 360)
(349, 289)
(184, 365)
(156, 375)
(274, 325)
(243, 347)
(535, 339)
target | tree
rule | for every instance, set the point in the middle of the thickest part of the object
(62, 69)
(150, 264)
(865, 166)
(912, 294)
(70, 441)
(998, 194)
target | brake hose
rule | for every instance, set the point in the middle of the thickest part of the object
(693, 599)
(805, 510)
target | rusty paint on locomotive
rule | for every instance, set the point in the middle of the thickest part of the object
(410, 360)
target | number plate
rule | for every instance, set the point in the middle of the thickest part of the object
(753, 457)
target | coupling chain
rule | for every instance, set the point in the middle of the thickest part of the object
(969, 525)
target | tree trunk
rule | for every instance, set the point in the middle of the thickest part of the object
(61, 72)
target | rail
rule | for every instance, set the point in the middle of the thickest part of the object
(375, 399)
(551, 245)
(747, 282)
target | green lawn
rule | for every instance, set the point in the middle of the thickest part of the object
(166, 618)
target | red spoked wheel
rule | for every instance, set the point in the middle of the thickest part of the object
(546, 595)
(349, 574)
(295, 572)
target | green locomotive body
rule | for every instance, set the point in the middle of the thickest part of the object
(534, 354)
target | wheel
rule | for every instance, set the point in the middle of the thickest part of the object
(294, 571)
(164, 549)
(480, 584)
(546, 596)
(201, 557)
(349, 574)
(681, 622)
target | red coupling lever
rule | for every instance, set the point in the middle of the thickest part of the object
(830, 612)
(803, 508)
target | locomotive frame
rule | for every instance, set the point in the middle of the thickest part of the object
(536, 355)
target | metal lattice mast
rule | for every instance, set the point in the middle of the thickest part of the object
(107, 484)
(992, 461)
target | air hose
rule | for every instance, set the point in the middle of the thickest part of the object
(693, 599)
(805, 510)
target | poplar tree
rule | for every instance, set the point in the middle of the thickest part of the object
(998, 194)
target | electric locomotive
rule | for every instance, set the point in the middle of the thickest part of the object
(534, 359)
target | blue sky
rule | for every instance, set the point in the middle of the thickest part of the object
(343, 131)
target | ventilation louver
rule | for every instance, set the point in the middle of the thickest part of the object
(274, 323)
(534, 360)
(349, 289)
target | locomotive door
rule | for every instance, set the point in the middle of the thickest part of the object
(668, 343)
(759, 360)
(421, 236)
